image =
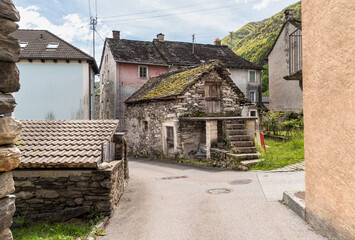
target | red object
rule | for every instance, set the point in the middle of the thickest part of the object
(262, 141)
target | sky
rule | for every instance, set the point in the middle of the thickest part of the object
(143, 19)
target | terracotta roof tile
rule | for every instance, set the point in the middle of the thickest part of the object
(64, 143)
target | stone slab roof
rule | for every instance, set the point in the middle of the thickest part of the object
(64, 143)
(169, 85)
(38, 41)
(180, 53)
(132, 51)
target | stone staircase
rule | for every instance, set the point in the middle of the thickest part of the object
(242, 146)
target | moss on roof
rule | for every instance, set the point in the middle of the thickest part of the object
(177, 82)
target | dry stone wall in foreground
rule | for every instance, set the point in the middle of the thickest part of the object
(10, 129)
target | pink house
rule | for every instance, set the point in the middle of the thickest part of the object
(125, 66)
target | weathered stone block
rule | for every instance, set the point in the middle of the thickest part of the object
(24, 184)
(24, 195)
(7, 26)
(42, 193)
(9, 49)
(5, 234)
(7, 184)
(7, 102)
(10, 130)
(8, 10)
(7, 210)
(9, 158)
(9, 77)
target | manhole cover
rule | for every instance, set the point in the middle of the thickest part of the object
(240, 182)
(217, 191)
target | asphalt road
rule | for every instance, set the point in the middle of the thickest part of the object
(169, 201)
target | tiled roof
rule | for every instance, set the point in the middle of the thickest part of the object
(180, 53)
(37, 47)
(175, 83)
(134, 51)
(64, 143)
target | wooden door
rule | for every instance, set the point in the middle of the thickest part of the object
(212, 98)
(170, 140)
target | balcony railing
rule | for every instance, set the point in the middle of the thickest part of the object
(295, 51)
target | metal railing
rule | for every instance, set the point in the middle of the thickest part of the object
(295, 51)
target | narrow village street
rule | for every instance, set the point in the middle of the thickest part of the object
(170, 201)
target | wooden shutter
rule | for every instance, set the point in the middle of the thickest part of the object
(212, 98)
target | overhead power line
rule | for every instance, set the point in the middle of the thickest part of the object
(180, 13)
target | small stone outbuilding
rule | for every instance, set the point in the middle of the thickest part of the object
(69, 168)
(183, 114)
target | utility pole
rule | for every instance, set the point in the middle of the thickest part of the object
(93, 23)
(193, 43)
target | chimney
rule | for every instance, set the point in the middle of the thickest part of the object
(41, 37)
(217, 42)
(288, 15)
(115, 34)
(160, 37)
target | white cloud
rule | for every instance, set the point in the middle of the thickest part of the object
(263, 4)
(73, 25)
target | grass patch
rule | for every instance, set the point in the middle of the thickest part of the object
(283, 153)
(73, 229)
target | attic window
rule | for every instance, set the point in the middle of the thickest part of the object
(143, 71)
(52, 46)
(23, 45)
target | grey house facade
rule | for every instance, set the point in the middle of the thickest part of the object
(285, 67)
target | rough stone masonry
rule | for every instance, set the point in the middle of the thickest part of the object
(10, 129)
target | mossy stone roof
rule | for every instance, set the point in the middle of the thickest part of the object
(176, 83)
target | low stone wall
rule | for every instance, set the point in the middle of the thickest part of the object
(64, 194)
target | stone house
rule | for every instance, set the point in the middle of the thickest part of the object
(285, 67)
(127, 64)
(69, 168)
(64, 75)
(182, 113)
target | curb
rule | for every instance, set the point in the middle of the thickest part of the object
(296, 204)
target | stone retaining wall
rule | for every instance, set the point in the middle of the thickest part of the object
(10, 129)
(64, 194)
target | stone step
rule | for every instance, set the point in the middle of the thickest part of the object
(236, 132)
(235, 126)
(239, 138)
(241, 144)
(244, 156)
(244, 149)
(250, 162)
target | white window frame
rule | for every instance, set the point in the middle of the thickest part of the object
(139, 71)
(254, 76)
(256, 113)
(254, 96)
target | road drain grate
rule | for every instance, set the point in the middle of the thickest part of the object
(240, 182)
(171, 178)
(216, 191)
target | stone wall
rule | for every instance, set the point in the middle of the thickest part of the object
(145, 122)
(64, 194)
(10, 129)
(329, 126)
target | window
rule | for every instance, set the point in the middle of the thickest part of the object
(145, 126)
(143, 71)
(23, 45)
(252, 76)
(252, 113)
(252, 96)
(212, 98)
(52, 46)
